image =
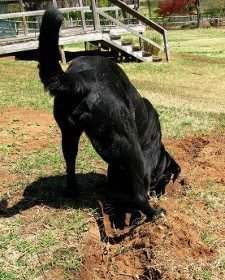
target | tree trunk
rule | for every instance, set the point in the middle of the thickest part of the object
(149, 8)
(199, 15)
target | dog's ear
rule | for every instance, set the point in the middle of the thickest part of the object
(174, 169)
(160, 186)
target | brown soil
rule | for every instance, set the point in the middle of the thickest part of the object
(151, 250)
(26, 129)
(147, 251)
(23, 131)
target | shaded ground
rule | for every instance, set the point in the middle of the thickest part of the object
(188, 243)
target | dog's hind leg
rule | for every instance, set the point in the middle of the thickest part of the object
(70, 140)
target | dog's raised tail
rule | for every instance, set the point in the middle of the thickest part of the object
(50, 70)
(54, 79)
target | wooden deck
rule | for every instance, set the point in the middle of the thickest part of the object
(101, 21)
(67, 36)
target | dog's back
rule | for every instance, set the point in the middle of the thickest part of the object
(97, 84)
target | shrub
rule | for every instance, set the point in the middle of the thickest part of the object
(150, 48)
(205, 23)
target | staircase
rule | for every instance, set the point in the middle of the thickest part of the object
(126, 48)
(123, 47)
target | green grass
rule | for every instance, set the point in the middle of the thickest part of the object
(75, 47)
(27, 253)
(188, 94)
(20, 85)
(7, 275)
(203, 275)
(188, 91)
(32, 163)
(199, 42)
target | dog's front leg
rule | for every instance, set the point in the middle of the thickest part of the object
(130, 158)
(141, 201)
(70, 140)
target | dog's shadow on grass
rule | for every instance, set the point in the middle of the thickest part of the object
(94, 194)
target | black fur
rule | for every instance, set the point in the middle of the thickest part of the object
(94, 95)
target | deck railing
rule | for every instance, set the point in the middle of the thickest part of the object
(22, 18)
(29, 21)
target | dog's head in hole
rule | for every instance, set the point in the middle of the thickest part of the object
(167, 169)
(95, 96)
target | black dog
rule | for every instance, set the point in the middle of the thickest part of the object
(94, 95)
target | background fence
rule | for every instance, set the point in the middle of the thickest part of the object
(172, 22)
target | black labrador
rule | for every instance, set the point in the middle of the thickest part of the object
(95, 95)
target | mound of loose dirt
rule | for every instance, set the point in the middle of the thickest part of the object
(169, 247)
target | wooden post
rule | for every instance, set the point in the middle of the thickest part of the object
(67, 21)
(82, 15)
(23, 17)
(87, 46)
(54, 3)
(95, 15)
(62, 53)
(141, 42)
(166, 45)
(117, 14)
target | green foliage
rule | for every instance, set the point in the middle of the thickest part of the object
(13, 8)
(104, 3)
(74, 15)
(152, 49)
(213, 8)
(149, 8)
(213, 12)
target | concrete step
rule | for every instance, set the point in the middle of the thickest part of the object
(147, 56)
(115, 37)
(125, 47)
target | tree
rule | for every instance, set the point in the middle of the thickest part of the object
(149, 4)
(173, 7)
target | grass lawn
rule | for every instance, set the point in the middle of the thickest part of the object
(46, 237)
(203, 42)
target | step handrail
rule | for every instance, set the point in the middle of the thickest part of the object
(148, 22)
(117, 22)
(139, 16)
